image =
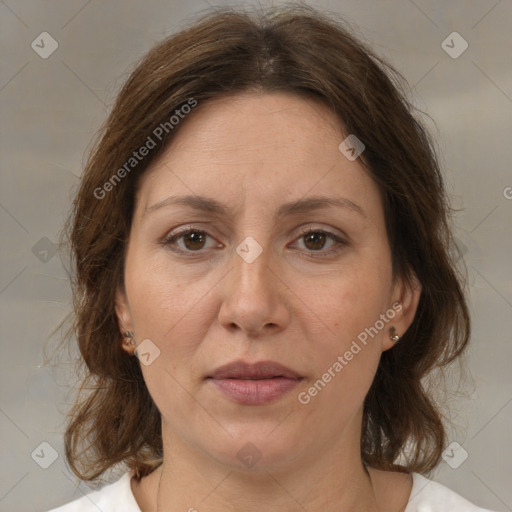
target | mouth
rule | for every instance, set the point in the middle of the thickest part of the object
(254, 371)
(254, 384)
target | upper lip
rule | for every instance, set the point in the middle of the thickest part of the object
(253, 371)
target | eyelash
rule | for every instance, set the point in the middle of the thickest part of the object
(341, 243)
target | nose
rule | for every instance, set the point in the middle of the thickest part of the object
(254, 296)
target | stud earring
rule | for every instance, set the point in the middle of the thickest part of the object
(129, 334)
(394, 336)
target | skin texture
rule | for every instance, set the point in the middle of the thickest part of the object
(207, 307)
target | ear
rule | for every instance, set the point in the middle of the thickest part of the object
(405, 298)
(124, 319)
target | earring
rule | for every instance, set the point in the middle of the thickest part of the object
(129, 334)
(394, 336)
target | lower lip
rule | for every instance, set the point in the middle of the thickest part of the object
(255, 392)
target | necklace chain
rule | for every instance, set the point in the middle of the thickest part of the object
(158, 490)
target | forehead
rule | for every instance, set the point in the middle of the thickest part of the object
(257, 147)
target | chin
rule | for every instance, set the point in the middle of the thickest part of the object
(256, 447)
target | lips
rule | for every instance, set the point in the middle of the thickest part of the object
(257, 371)
(254, 384)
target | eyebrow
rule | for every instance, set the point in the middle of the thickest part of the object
(210, 205)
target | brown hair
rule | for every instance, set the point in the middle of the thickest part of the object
(297, 50)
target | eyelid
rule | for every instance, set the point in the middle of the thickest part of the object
(178, 232)
(341, 240)
(328, 231)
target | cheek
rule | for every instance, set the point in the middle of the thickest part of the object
(161, 299)
(163, 311)
(346, 332)
(348, 302)
(345, 359)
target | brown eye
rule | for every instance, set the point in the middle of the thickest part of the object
(315, 240)
(194, 240)
(191, 240)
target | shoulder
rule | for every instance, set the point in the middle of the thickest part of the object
(430, 496)
(115, 497)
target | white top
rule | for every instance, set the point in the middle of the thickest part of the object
(426, 496)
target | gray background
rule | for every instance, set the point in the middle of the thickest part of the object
(51, 108)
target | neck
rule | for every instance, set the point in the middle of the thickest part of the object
(189, 480)
(273, 492)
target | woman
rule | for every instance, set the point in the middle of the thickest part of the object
(263, 278)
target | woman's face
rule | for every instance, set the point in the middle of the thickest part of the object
(248, 283)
